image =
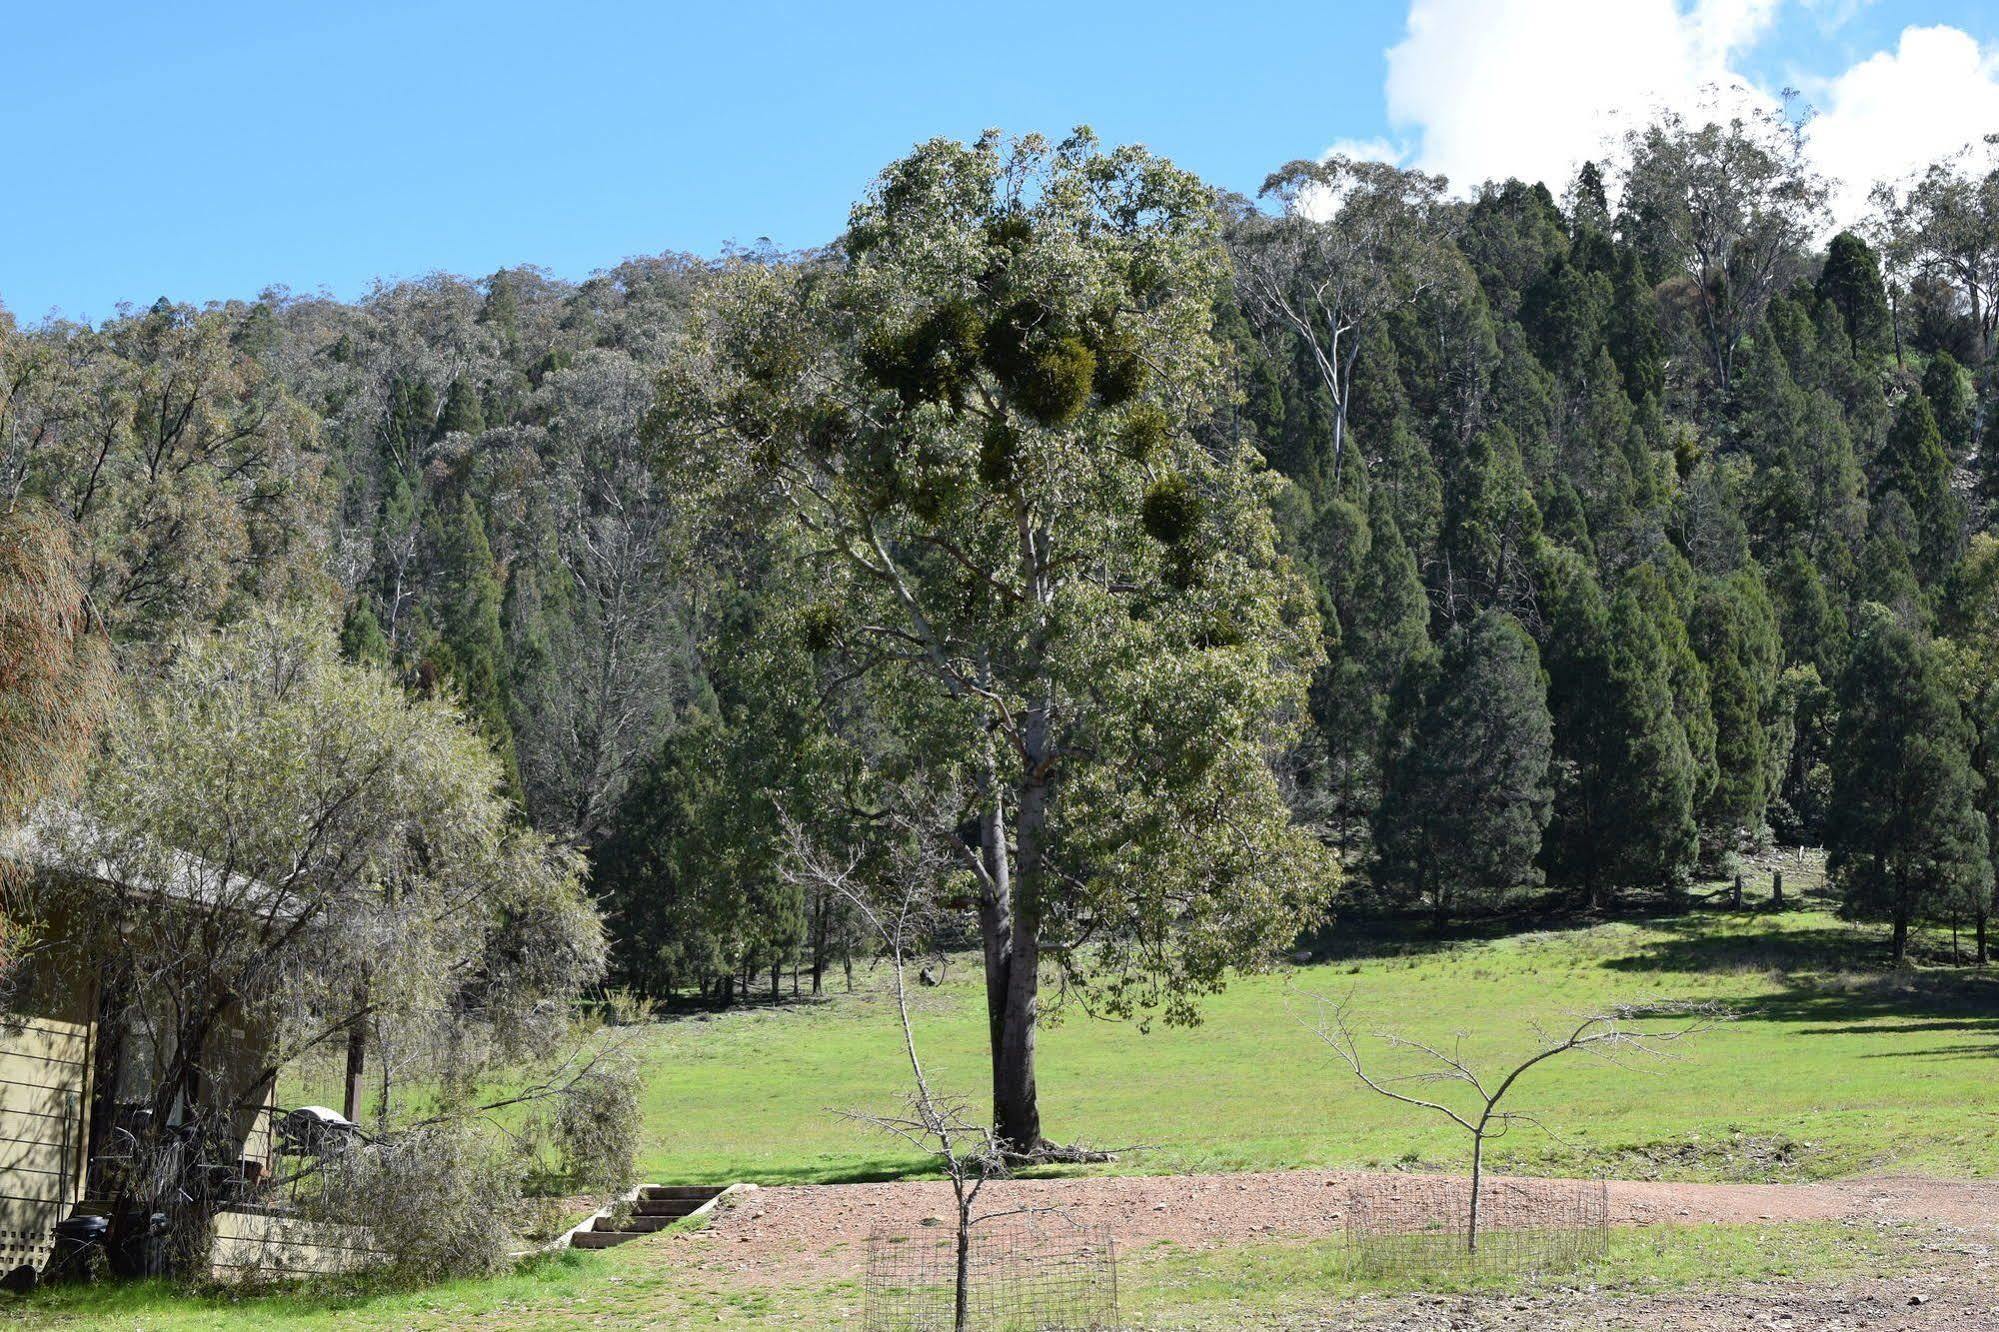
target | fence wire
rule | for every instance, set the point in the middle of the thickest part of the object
(1409, 1226)
(1032, 1275)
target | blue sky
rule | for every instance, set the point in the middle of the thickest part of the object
(207, 151)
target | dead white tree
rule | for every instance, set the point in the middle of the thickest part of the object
(1353, 242)
(1613, 1034)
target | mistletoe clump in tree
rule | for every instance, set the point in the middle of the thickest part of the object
(988, 423)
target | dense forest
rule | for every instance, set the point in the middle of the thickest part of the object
(1644, 521)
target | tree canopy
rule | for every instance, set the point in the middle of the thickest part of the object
(989, 429)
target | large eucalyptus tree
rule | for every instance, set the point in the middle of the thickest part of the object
(985, 417)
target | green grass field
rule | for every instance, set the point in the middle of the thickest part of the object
(1832, 1067)
(1160, 1287)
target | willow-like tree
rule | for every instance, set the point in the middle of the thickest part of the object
(54, 674)
(985, 422)
(305, 852)
(54, 667)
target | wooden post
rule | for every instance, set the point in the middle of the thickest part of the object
(1777, 888)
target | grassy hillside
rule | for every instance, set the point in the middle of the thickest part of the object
(1832, 1067)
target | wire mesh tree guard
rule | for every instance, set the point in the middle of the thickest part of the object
(1022, 1275)
(1409, 1226)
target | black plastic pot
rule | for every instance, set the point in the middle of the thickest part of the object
(143, 1251)
(79, 1244)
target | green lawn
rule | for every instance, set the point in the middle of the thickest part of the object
(1832, 1068)
(1160, 1287)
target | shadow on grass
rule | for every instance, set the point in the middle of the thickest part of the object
(1834, 981)
(875, 1170)
(1690, 944)
(1366, 935)
(145, 1302)
(1357, 938)
(882, 1170)
(871, 1170)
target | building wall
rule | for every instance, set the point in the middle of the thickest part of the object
(251, 1244)
(44, 1129)
(47, 1049)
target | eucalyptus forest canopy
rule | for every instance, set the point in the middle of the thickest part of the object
(1582, 535)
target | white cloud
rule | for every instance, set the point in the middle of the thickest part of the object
(1376, 149)
(1484, 89)
(1832, 15)
(1491, 88)
(1899, 110)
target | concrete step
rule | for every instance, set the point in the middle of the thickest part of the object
(671, 1192)
(667, 1206)
(601, 1239)
(656, 1207)
(633, 1225)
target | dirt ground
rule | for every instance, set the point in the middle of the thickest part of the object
(819, 1233)
(1955, 1298)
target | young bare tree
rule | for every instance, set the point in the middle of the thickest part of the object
(894, 888)
(1617, 1035)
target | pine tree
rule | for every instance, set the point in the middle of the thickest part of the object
(1632, 329)
(1887, 573)
(361, 636)
(1983, 714)
(1564, 313)
(1589, 201)
(1906, 836)
(1913, 464)
(1851, 281)
(1734, 629)
(1492, 529)
(470, 647)
(1970, 614)
(1666, 590)
(1813, 633)
(1624, 804)
(463, 413)
(410, 427)
(1948, 389)
(1811, 622)
(1383, 619)
(1468, 796)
